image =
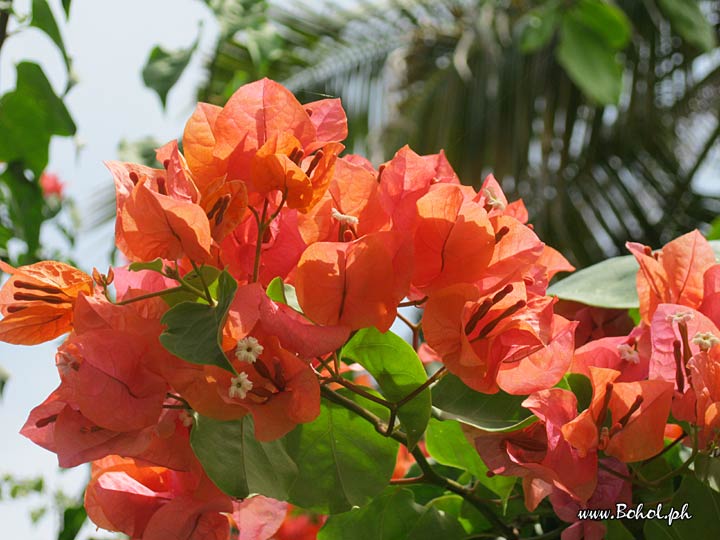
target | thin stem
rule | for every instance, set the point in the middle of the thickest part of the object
(276, 213)
(405, 481)
(413, 326)
(413, 302)
(361, 391)
(204, 284)
(150, 295)
(439, 374)
(258, 246)
(391, 421)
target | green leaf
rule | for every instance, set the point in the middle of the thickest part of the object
(394, 515)
(66, 7)
(398, 371)
(447, 443)
(155, 266)
(714, 232)
(538, 26)
(73, 519)
(467, 515)
(590, 62)
(209, 274)
(688, 21)
(29, 116)
(282, 293)
(617, 531)
(163, 68)
(605, 20)
(707, 470)
(4, 376)
(44, 20)
(194, 330)
(342, 461)
(610, 283)
(491, 412)
(700, 501)
(238, 463)
(328, 465)
(579, 385)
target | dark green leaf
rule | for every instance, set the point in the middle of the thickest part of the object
(29, 116)
(688, 21)
(394, 515)
(238, 463)
(194, 330)
(538, 27)
(491, 412)
(398, 371)
(447, 443)
(329, 465)
(73, 519)
(605, 20)
(700, 501)
(43, 19)
(25, 208)
(163, 68)
(617, 531)
(579, 385)
(66, 7)
(155, 266)
(467, 515)
(707, 470)
(282, 293)
(209, 274)
(714, 232)
(590, 62)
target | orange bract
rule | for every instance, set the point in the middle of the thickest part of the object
(37, 301)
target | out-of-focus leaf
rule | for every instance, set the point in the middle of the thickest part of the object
(589, 61)
(73, 519)
(689, 22)
(605, 19)
(163, 68)
(66, 7)
(139, 151)
(283, 293)
(714, 232)
(538, 27)
(4, 376)
(579, 385)
(707, 470)
(43, 19)
(29, 116)
(155, 266)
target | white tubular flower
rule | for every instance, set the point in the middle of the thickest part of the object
(248, 349)
(628, 353)
(186, 418)
(240, 386)
(491, 200)
(705, 340)
(344, 218)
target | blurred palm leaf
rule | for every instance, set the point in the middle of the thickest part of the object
(451, 74)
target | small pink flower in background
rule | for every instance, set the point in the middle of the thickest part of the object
(51, 185)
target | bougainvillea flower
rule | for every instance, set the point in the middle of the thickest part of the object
(37, 301)
(630, 355)
(611, 489)
(252, 312)
(300, 525)
(199, 144)
(351, 204)
(595, 323)
(355, 284)
(280, 390)
(158, 215)
(517, 249)
(51, 185)
(406, 178)
(704, 370)
(454, 240)
(674, 274)
(258, 517)
(280, 164)
(491, 197)
(711, 294)
(156, 503)
(539, 453)
(625, 419)
(477, 335)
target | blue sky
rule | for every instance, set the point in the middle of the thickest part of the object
(109, 43)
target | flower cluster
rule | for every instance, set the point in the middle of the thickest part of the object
(259, 251)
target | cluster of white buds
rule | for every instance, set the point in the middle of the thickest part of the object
(680, 317)
(248, 349)
(240, 386)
